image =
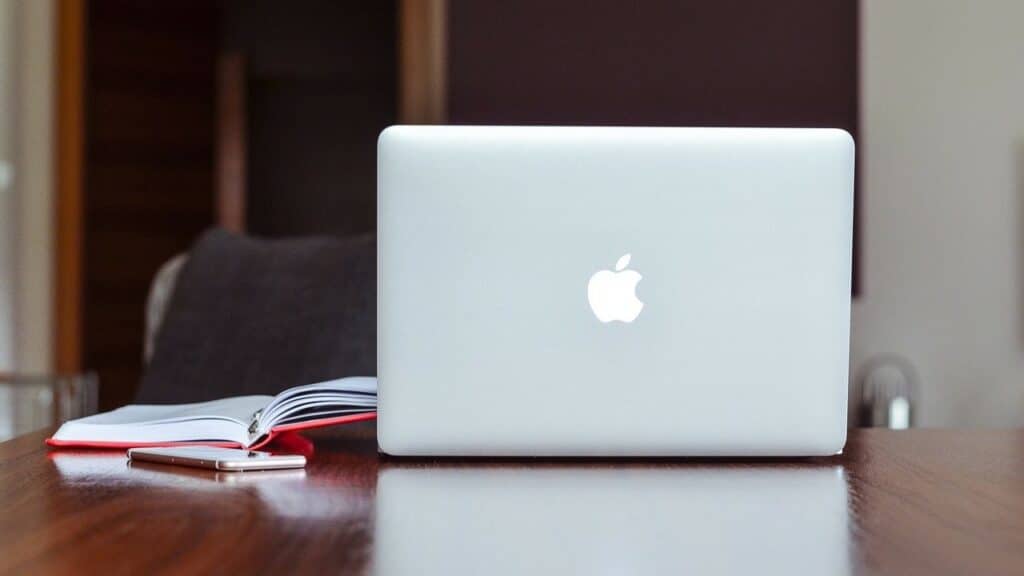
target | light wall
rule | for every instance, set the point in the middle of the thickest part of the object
(34, 247)
(26, 197)
(26, 184)
(942, 216)
(7, 190)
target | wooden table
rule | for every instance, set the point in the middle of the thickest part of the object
(914, 502)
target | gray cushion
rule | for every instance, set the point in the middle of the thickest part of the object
(253, 316)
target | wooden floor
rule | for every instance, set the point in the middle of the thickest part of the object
(915, 502)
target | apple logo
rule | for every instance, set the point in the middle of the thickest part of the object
(612, 295)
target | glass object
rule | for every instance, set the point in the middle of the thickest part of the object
(888, 393)
(30, 402)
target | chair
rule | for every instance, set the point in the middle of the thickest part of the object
(156, 302)
(240, 315)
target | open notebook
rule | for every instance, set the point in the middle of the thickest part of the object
(242, 421)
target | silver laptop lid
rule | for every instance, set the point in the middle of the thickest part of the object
(613, 291)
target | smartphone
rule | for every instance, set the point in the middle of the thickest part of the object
(224, 459)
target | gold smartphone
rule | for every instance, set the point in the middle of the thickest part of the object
(224, 459)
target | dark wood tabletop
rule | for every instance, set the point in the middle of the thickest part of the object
(910, 502)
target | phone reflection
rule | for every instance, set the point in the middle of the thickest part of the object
(113, 468)
(593, 521)
(164, 473)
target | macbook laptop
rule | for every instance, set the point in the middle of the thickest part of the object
(576, 291)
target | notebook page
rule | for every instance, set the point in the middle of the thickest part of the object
(227, 419)
(342, 396)
(351, 384)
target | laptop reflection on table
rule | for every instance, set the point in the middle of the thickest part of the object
(464, 520)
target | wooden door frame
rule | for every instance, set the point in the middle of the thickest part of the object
(70, 181)
(422, 61)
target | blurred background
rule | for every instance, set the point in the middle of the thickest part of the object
(129, 127)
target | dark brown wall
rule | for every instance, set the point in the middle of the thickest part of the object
(657, 62)
(148, 167)
(320, 86)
